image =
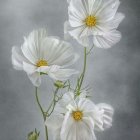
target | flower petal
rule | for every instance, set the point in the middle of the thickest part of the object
(107, 11)
(86, 105)
(32, 45)
(107, 40)
(108, 112)
(66, 126)
(65, 55)
(61, 74)
(35, 79)
(77, 13)
(17, 58)
(54, 122)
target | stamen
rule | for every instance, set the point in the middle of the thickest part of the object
(77, 115)
(91, 21)
(42, 63)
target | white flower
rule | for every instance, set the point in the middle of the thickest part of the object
(41, 54)
(78, 119)
(94, 22)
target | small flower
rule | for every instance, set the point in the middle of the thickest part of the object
(41, 54)
(94, 22)
(79, 118)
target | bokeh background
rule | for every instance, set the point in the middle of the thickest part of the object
(113, 74)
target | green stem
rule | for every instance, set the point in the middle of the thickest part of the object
(42, 111)
(52, 103)
(81, 78)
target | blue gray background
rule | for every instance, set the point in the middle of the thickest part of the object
(113, 74)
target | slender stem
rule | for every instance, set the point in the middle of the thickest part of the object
(52, 103)
(81, 78)
(42, 111)
(84, 69)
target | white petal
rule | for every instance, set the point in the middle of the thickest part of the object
(77, 32)
(108, 112)
(84, 131)
(107, 40)
(66, 126)
(32, 47)
(65, 55)
(62, 104)
(67, 98)
(61, 74)
(17, 58)
(66, 29)
(48, 69)
(86, 105)
(85, 41)
(29, 68)
(33, 75)
(108, 10)
(90, 123)
(35, 79)
(96, 6)
(77, 13)
(117, 20)
(54, 122)
(50, 49)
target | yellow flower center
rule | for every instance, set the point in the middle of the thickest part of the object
(77, 115)
(91, 21)
(42, 63)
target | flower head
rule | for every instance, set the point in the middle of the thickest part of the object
(41, 54)
(79, 118)
(94, 22)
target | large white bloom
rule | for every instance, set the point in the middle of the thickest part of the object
(41, 54)
(94, 22)
(78, 119)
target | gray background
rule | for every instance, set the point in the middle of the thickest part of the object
(113, 74)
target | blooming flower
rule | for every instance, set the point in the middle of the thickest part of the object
(41, 54)
(94, 22)
(77, 119)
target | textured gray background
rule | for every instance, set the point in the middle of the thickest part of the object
(113, 74)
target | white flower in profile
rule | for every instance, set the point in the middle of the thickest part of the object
(41, 54)
(78, 119)
(94, 22)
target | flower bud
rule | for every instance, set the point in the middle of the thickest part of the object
(59, 84)
(33, 135)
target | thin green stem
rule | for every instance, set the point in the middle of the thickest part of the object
(42, 111)
(81, 78)
(53, 103)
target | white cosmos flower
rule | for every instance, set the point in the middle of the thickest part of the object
(43, 54)
(78, 119)
(94, 22)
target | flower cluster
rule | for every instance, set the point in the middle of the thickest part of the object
(71, 115)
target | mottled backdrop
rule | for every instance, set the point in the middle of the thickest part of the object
(113, 74)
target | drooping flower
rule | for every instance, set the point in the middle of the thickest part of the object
(77, 119)
(41, 54)
(94, 22)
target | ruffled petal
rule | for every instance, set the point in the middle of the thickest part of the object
(17, 58)
(64, 55)
(86, 105)
(107, 11)
(66, 126)
(107, 40)
(107, 115)
(32, 45)
(77, 13)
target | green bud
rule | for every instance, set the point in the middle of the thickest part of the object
(59, 84)
(33, 135)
